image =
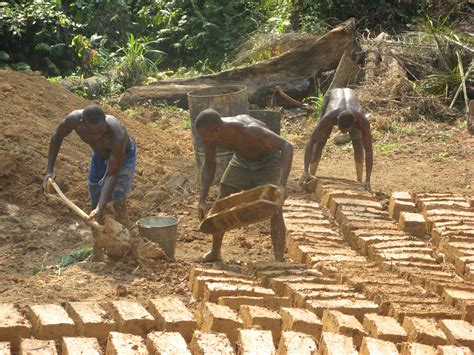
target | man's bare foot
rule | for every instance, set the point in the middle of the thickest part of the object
(210, 257)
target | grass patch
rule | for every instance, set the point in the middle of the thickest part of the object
(441, 156)
(386, 148)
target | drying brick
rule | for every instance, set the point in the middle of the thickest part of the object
(166, 343)
(396, 207)
(417, 349)
(131, 317)
(122, 343)
(356, 308)
(271, 302)
(50, 321)
(452, 296)
(80, 346)
(13, 325)
(5, 348)
(278, 283)
(371, 346)
(453, 350)
(337, 322)
(255, 341)
(262, 318)
(301, 320)
(210, 343)
(384, 328)
(215, 290)
(336, 344)
(172, 315)
(424, 331)
(37, 347)
(296, 343)
(199, 284)
(91, 319)
(458, 332)
(219, 318)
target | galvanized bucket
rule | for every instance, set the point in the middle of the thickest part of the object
(161, 230)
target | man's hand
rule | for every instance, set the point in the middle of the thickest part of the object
(367, 185)
(202, 210)
(44, 185)
(304, 179)
(97, 215)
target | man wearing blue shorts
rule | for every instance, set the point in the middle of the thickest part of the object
(114, 157)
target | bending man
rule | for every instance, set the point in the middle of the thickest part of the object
(114, 157)
(260, 157)
(341, 107)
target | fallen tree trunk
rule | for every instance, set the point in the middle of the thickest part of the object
(291, 70)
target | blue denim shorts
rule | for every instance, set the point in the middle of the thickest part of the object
(98, 173)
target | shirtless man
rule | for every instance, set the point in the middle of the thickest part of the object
(260, 157)
(341, 107)
(113, 161)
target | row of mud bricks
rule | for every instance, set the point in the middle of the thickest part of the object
(361, 282)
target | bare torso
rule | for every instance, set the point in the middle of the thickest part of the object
(340, 100)
(246, 137)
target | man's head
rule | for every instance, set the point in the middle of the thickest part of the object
(94, 118)
(208, 124)
(345, 121)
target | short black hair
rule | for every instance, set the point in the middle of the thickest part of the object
(93, 114)
(207, 119)
(345, 119)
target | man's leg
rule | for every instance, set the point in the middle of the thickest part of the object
(278, 231)
(318, 152)
(359, 158)
(215, 253)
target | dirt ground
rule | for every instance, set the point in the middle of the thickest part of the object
(36, 232)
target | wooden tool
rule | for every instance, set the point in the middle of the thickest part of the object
(241, 209)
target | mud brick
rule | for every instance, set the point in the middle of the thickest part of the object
(278, 283)
(330, 195)
(337, 254)
(266, 275)
(262, 318)
(300, 298)
(91, 319)
(173, 316)
(458, 332)
(400, 255)
(356, 308)
(371, 346)
(363, 243)
(412, 223)
(352, 236)
(467, 309)
(218, 318)
(122, 343)
(401, 310)
(417, 349)
(50, 321)
(296, 343)
(199, 271)
(336, 344)
(5, 348)
(301, 320)
(253, 268)
(314, 261)
(199, 284)
(209, 343)
(384, 328)
(402, 195)
(215, 290)
(131, 317)
(395, 207)
(13, 325)
(292, 288)
(424, 331)
(334, 203)
(37, 347)
(79, 346)
(470, 272)
(255, 341)
(452, 296)
(164, 343)
(437, 285)
(453, 350)
(393, 266)
(447, 212)
(337, 322)
(399, 245)
(271, 302)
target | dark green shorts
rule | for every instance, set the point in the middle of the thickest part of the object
(244, 174)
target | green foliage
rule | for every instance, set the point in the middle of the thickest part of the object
(441, 156)
(74, 257)
(317, 103)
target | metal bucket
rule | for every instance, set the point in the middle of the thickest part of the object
(228, 100)
(161, 230)
(271, 118)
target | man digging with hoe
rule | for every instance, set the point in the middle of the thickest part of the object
(260, 157)
(341, 107)
(113, 161)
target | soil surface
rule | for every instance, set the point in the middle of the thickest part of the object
(35, 232)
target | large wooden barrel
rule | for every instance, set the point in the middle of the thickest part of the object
(228, 100)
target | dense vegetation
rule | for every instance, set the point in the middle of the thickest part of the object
(132, 41)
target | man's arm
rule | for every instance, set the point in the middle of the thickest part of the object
(369, 153)
(116, 158)
(63, 130)
(207, 176)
